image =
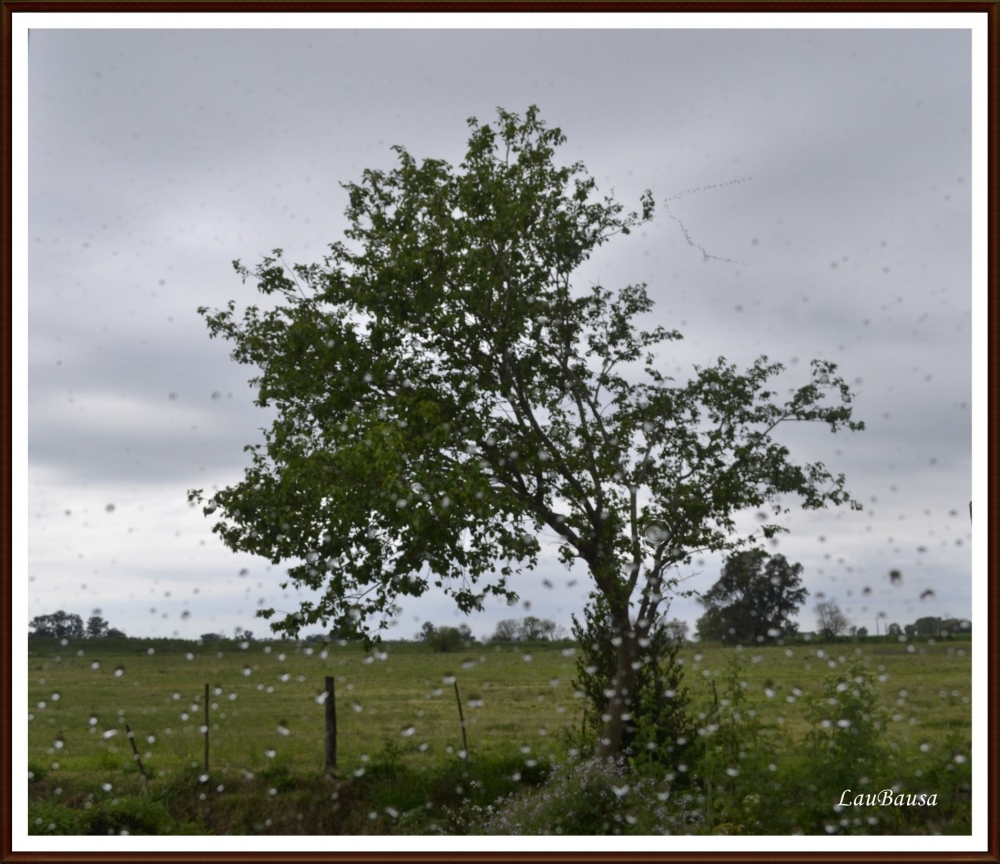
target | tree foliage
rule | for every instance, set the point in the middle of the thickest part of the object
(753, 600)
(62, 625)
(444, 394)
(96, 626)
(449, 638)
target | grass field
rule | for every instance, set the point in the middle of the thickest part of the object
(397, 717)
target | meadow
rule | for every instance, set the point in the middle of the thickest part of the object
(400, 754)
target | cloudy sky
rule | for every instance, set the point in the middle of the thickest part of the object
(157, 157)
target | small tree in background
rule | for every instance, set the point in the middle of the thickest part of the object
(96, 627)
(830, 621)
(677, 631)
(507, 630)
(449, 638)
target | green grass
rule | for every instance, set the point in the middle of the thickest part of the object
(398, 726)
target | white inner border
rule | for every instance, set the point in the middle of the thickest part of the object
(21, 23)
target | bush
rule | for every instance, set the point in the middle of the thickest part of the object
(446, 639)
(660, 729)
(591, 797)
(131, 814)
(848, 738)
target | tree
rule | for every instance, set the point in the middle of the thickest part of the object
(507, 630)
(677, 631)
(60, 624)
(928, 626)
(115, 633)
(830, 620)
(444, 393)
(96, 627)
(894, 630)
(754, 599)
(532, 629)
(862, 632)
(449, 638)
(426, 631)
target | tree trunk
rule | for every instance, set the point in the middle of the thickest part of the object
(619, 705)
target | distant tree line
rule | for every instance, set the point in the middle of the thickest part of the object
(64, 625)
(446, 638)
(528, 629)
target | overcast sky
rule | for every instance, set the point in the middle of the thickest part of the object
(156, 158)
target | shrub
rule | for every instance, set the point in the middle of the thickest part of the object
(848, 738)
(659, 729)
(592, 797)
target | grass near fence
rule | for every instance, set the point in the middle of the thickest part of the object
(397, 720)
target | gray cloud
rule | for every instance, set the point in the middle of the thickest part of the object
(158, 157)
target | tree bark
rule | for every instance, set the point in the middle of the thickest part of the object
(619, 705)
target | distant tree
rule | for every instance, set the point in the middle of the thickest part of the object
(534, 629)
(60, 624)
(115, 633)
(862, 632)
(449, 638)
(928, 626)
(830, 620)
(753, 599)
(426, 632)
(211, 637)
(507, 630)
(96, 627)
(910, 630)
(894, 630)
(677, 631)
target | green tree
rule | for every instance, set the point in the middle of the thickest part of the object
(754, 599)
(449, 638)
(96, 627)
(444, 393)
(928, 626)
(62, 625)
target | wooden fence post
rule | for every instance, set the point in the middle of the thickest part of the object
(461, 717)
(135, 750)
(206, 728)
(330, 760)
